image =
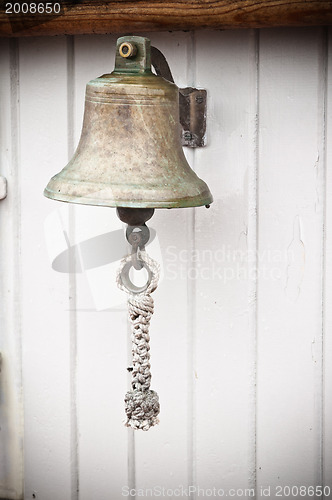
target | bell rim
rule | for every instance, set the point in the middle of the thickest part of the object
(197, 201)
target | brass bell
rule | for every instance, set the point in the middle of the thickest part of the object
(130, 154)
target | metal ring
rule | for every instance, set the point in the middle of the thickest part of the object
(126, 281)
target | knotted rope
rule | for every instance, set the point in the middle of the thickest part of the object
(141, 403)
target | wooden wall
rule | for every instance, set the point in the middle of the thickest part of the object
(241, 340)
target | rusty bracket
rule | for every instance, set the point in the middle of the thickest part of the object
(193, 116)
(192, 104)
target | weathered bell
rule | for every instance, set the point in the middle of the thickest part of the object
(130, 154)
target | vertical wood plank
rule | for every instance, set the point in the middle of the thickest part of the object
(72, 263)
(45, 301)
(327, 415)
(101, 321)
(163, 454)
(224, 372)
(11, 410)
(291, 212)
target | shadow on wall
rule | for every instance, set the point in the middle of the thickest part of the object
(94, 252)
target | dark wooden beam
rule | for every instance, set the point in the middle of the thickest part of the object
(136, 16)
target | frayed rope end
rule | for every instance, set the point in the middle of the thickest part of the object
(142, 409)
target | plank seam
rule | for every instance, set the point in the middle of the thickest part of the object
(72, 291)
(131, 447)
(322, 146)
(252, 267)
(191, 299)
(15, 166)
(326, 445)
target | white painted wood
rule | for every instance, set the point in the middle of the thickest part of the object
(45, 300)
(163, 455)
(290, 246)
(11, 408)
(237, 358)
(223, 368)
(101, 315)
(327, 363)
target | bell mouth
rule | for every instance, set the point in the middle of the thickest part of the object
(136, 200)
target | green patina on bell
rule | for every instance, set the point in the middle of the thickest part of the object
(130, 153)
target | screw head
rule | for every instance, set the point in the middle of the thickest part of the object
(187, 136)
(127, 49)
(199, 99)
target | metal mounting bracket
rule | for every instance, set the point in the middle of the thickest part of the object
(193, 116)
(192, 104)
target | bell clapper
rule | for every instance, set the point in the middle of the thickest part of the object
(137, 233)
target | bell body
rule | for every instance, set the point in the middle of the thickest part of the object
(130, 154)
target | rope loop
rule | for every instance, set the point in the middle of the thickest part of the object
(124, 282)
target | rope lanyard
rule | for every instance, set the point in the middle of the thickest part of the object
(141, 403)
